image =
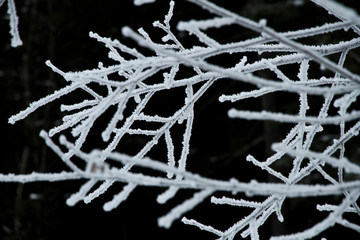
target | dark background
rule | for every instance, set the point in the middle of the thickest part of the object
(58, 30)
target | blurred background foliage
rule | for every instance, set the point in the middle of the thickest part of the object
(59, 31)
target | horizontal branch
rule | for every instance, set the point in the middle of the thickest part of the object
(191, 181)
(282, 117)
(39, 177)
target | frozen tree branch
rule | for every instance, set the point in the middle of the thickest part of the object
(14, 22)
(126, 90)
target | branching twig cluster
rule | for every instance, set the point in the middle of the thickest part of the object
(127, 87)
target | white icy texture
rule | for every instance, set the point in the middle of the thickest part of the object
(14, 22)
(141, 2)
(340, 10)
(129, 96)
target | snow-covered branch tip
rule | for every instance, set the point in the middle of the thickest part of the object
(14, 22)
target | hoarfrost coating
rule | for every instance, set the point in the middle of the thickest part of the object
(14, 22)
(129, 87)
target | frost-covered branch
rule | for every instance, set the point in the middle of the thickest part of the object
(14, 22)
(125, 93)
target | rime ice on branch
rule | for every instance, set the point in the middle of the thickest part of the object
(127, 88)
(14, 21)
